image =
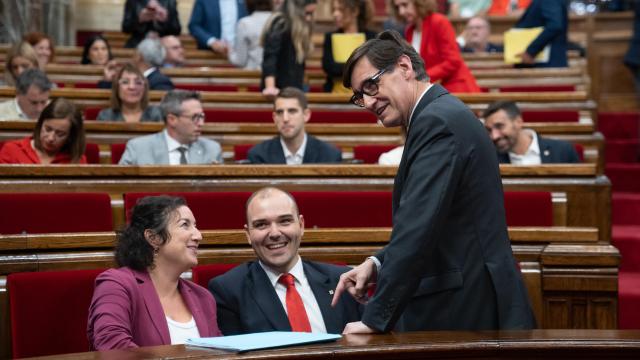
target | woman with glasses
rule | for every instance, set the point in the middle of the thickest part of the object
(130, 98)
(144, 302)
(352, 18)
(287, 44)
(58, 138)
(432, 35)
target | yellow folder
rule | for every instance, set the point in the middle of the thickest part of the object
(344, 44)
(517, 40)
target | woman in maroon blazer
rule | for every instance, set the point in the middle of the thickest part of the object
(436, 44)
(145, 302)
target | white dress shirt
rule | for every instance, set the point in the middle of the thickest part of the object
(304, 289)
(228, 19)
(294, 159)
(172, 148)
(532, 155)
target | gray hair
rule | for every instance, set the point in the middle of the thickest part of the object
(172, 101)
(32, 77)
(152, 52)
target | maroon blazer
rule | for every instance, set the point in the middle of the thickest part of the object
(441, 54)
(125, 311)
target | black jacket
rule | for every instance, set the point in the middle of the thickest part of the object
(317, 151)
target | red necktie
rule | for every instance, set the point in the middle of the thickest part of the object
(295, 308)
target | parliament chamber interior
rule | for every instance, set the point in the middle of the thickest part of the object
(574, 228)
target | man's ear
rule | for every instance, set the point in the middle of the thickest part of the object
(246, 233)
(301, 220)
(307, 114)
(171, 120)
(405, 66)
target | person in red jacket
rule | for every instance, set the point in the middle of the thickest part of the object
(432, 35)
(58, 138)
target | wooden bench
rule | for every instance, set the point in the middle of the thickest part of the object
(588, 195)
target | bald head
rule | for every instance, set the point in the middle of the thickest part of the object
(267, 193)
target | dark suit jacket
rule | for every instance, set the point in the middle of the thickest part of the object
(552, 15)
(205, 20)
(248, 303)
(448, 264)
(271, 152)
(551, 151)
(159, 81)
(138, 30)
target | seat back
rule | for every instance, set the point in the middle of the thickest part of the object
(369, 154)
(550, 116)
(241, 151)
(116, 152)
(528, 208)
(212, 210)
(49, 311)
(201, 274)
(322, 209)
(34, 213)
(91, 113)
(92, 152)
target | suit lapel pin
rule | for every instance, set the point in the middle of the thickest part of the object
(330, 292)
(546, 153)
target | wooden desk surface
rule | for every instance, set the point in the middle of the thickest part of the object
(533, 344)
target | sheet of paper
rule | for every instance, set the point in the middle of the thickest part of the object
(344, 44)
(264, 340)
(517, 40)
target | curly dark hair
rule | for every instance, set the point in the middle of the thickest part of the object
(150, 213)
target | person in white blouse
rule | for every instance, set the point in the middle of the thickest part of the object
(252, 298)
(246, 51)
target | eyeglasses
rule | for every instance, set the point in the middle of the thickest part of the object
(369, 88)
(196, 118)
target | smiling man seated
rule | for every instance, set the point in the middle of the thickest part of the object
(279, 291)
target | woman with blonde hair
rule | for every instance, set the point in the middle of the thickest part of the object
(130, 98)
(432, 35)
(19, 58)
(287, 44)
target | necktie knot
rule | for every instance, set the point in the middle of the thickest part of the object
(287, 280)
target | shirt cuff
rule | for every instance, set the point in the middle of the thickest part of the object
(211, 40)
(377, 262)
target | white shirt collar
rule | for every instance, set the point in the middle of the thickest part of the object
(416, 104)
(294, 159)
(297, 271)
(532, 155)
(21, 113)
(149, 71)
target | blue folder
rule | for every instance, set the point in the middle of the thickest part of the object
(264, 340)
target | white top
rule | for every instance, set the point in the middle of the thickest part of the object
(228, 18)
(304, 289)
(246, 52)
(148, 72)
(10, 110)
(391, 157)
(294, 159)
(172, 148)
(180, 332)
(532, 155)
(416, 40)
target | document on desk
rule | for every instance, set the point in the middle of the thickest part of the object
(517, 40)
(264, 340)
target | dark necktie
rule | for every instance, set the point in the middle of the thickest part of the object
(183, 155)
(295, 308)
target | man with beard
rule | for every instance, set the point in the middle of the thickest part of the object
(293, 146)
(280, 291)
(519, 146)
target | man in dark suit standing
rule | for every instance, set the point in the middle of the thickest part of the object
(448, 264)
(552, 16)
(253, 297)
(519, 146)
(293, 146)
